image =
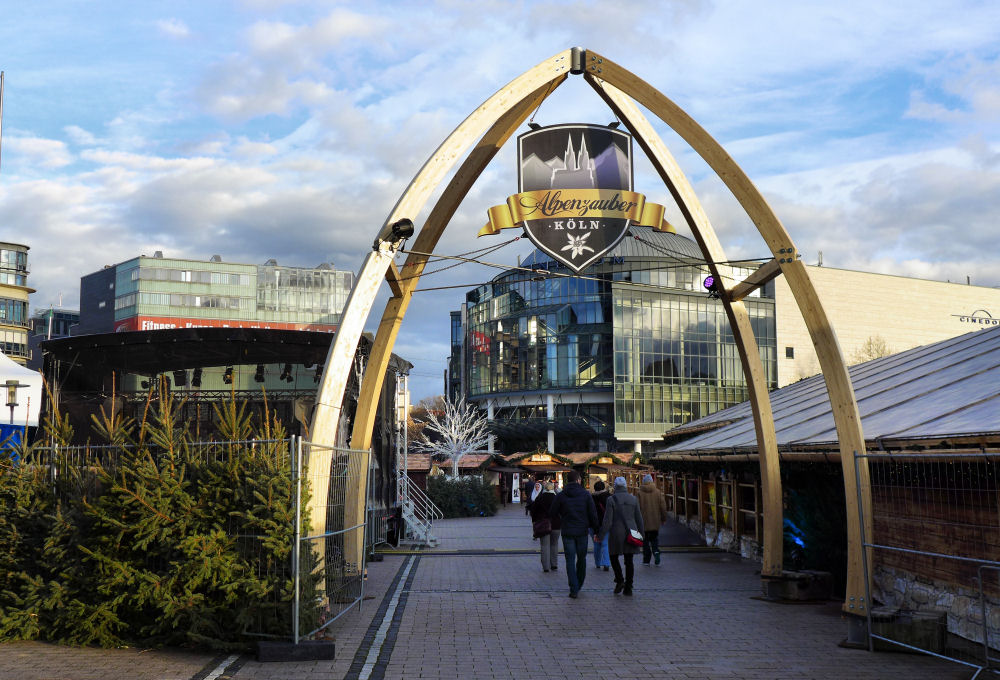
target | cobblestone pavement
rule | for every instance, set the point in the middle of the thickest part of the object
(479, 606)
(40, 661)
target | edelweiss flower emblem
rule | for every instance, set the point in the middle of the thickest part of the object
(577, 244)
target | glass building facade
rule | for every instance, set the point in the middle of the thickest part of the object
(149, 293)
(47, 324)
(631, 348)
(14, 292)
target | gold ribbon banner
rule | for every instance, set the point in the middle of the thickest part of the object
(575, 204)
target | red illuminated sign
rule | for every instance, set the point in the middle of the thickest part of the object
(480, 342)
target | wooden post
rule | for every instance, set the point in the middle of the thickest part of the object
(715, 503)
(739, 319)
(673, 490)
(684, 495)
(757, 524)
(701, 501)
(734, 500)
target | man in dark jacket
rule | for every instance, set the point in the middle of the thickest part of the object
(575, 507)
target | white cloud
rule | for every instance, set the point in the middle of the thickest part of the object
(37, 153)
(173, 28)
(248, 150)
(79, 136)
(871, 129)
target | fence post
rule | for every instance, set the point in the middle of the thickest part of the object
(365, 529)
(673, 490)
(702, 510)
(715, 502)
(864, 558)
(737, 512)
(757, 528)
(295, 459)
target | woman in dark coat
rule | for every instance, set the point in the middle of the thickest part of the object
(620, 516)
(549, 542)
(601, 497)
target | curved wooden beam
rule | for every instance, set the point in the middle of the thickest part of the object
(326, 418)
(838, 381)
(739, 320)
(411, 270)
(498, 117)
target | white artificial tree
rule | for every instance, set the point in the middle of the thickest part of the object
(461, 429)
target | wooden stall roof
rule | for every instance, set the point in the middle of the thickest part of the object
(591, 458)
(525, 456)
(946, 394)
(418, 462)
(472, 461)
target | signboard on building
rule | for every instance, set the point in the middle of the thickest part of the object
(153, 323)
(480, 342)
(572, 179)
(575, 199)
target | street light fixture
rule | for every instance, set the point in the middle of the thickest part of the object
(12, 387)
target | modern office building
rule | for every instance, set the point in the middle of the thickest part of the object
(152, 293)
(606, 360)
(49, 324)
(14, 292)
(635, 346)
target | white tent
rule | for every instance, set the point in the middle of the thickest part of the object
(29, 398)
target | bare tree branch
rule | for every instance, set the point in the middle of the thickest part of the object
(461, 428)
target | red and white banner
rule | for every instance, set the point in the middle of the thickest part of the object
(154, 323)
(480, 342)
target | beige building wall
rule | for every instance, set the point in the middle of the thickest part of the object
(900, 311)
(16, 332)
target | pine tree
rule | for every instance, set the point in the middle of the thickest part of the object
(153, 539)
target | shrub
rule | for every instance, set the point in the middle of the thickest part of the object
(468, 496)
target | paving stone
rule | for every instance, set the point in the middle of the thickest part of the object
(494, 614)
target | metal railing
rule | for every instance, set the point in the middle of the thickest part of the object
(419, 512)
(934, 519)
(991, 637)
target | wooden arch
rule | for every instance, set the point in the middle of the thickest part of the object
(492, 124)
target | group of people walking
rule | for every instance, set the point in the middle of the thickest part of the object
(619, 524)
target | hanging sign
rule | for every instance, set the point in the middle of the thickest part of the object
(575, 199)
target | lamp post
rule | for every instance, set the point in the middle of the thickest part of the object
(12, 386)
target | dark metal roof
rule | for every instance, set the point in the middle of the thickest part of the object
(536, 428)
(150, 352)
(948, 389)
(157, 351)
(657, 245)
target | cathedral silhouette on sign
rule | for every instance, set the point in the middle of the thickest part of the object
(578, 169)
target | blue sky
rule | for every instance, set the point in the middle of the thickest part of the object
(274, 128)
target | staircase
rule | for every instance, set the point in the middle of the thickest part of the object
(419, 513)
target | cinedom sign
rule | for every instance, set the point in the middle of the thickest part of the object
(575, 199)
(980, 317)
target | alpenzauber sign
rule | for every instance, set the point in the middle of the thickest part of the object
(575, 199)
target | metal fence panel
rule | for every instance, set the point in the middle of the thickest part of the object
(934, 557)
(315, 566)
(331, 555)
